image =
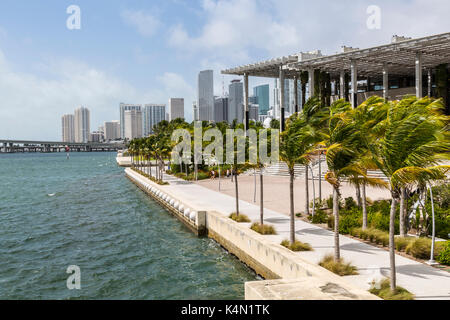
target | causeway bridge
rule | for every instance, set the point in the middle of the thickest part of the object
(15, 146)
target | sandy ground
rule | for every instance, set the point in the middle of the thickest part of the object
(276, 191)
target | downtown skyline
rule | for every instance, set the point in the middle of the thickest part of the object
(129, 52)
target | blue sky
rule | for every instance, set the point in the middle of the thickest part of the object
(149, 51)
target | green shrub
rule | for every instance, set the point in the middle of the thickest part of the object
(444, 256)
(329, 202)
(349, 203)
(378, 220)
(364, 234)
(339, 267)
(383, 206)
(319, 217)
(239, 218)
(265, 229)
(346, 222)
(385, 292)
(356, 232)
(421, 248)
(401, 243)
(297, 246)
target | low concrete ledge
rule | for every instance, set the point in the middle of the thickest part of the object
(273, 261)
(194, 220)
(301, 289)
(123, 161)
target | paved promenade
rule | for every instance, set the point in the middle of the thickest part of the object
(424, 281)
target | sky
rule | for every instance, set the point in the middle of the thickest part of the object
(149, 51)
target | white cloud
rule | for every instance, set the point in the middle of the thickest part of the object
(232, 27)
(32, 106)
(145, 23)
(235, 29)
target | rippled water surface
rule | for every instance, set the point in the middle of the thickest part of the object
(56, 212)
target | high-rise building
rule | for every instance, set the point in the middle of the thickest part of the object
(176, 108)
(253, 112)
(96, 136)
(125, 107)
(287, 95)
(153, 114)
(206, 95)
(133, 124)
(111, 130)
(68, 130)
(235, 101)
(276, 101)
(82, 125)
(195, 110)
(262, 98)
(221, 109)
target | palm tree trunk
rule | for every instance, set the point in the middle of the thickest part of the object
(291, 205)
(261, 198)
(254, 189)
(306, 191)
(392, 243)
(358, 196)
(402, 212)
(237, 192)
(320, 177)
(337, 253)
(364, 206)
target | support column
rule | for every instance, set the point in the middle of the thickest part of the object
(246, 113)
(385, 81)
(342, 85)
(311, 82)
(429, 83)
(281, 99)
(354, 75)
(296, 94)
(419, 84)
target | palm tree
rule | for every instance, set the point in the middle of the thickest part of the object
(368, 117)
(296, 146)
(315, 115)
(343, 153)
(415, 139)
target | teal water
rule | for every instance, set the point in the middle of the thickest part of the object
(56, 212)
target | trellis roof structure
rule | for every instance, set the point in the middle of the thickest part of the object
(399, 57)
(268, 68)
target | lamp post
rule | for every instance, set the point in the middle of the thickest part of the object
(433, 237)
(314, 191)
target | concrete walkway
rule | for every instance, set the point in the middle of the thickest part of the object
(424, 281)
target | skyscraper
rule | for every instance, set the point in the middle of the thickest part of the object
(263, 98)
(111, 130)
(124, 107)
(287, 95)
(235, 101)
(153, 114)
(82, 125)
(253, 112)
(206, 95)
(221, 109)
(133, 124)
(276, 100)
(176, 108)
(68, 130)
(195, 110)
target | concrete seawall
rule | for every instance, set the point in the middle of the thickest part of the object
(287, 275)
